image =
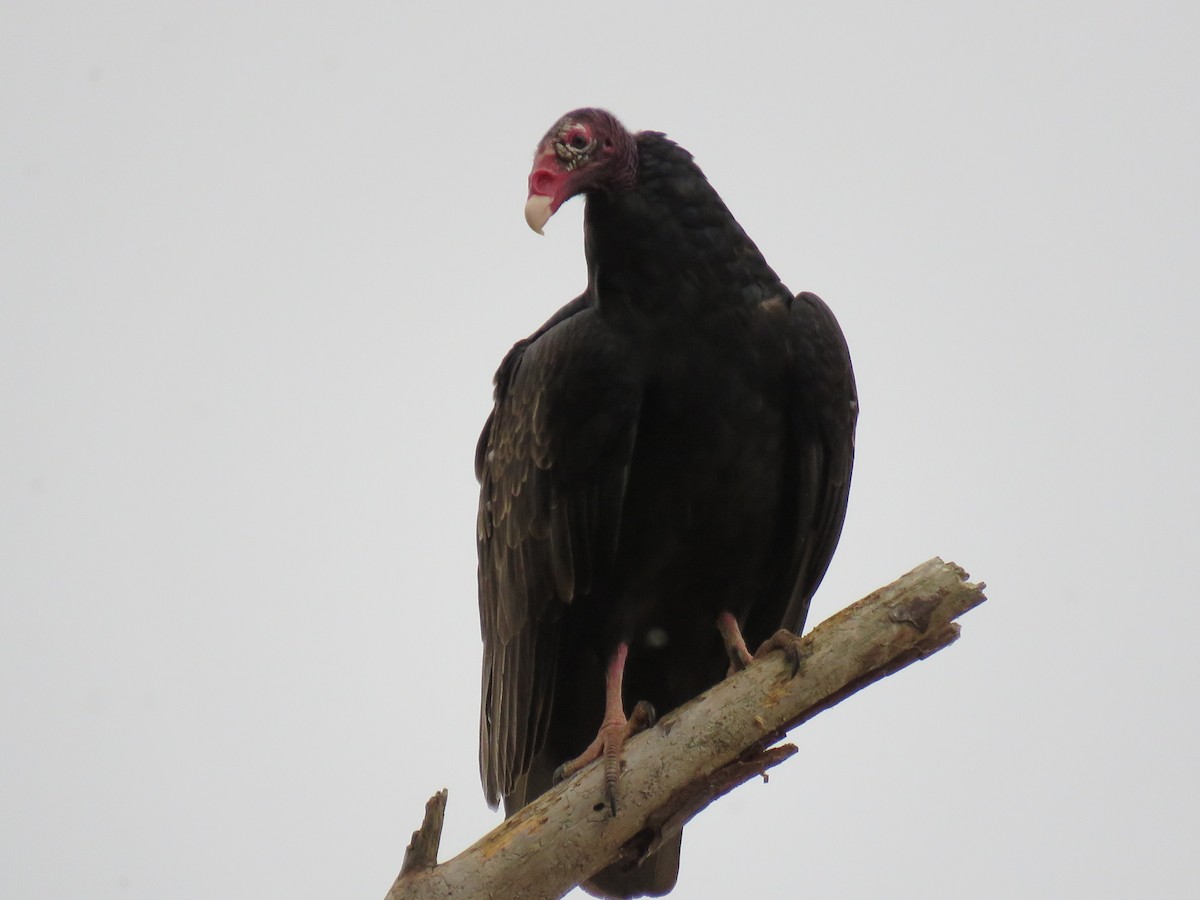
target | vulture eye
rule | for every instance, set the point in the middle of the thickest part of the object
(578, 141)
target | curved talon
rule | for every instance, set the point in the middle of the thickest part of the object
(644, 716)
(610, 793)
(790, 645)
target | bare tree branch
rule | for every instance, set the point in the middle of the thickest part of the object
(421, 852)
(694, 754)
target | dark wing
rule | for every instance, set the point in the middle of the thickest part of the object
(821, 414)
(552, 463)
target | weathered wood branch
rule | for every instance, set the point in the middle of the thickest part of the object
(694, 754)
(421, 852)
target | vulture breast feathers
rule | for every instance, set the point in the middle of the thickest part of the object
(672, 445)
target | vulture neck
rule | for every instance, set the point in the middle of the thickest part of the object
(669, 246)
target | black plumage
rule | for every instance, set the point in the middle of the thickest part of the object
(674, 444)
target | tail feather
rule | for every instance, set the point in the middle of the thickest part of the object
(652, 877)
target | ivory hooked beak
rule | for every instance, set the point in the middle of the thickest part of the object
(538, 211)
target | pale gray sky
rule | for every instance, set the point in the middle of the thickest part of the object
(257, 266)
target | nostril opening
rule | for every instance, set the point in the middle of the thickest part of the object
(542, 182)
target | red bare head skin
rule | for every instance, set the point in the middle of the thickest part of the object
(586, 150)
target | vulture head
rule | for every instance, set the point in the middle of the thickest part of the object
(586, 150)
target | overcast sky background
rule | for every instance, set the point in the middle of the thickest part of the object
(258, 265)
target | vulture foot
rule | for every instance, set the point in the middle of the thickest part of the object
(789, 643)
(615, 730)
(739, 654)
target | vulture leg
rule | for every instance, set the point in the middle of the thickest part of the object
(739, 654)
(614, 730)
(735, 644)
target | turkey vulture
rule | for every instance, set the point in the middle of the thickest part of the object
(671, 448)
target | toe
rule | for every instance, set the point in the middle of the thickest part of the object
(790, 645)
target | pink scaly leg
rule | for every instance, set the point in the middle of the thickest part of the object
(735, 644)
(614, 730)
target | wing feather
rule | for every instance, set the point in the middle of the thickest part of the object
(820, 415)
(552, 464)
